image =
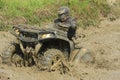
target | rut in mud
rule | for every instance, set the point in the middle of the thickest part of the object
(104, 41)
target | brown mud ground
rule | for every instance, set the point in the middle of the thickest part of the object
(104, 41)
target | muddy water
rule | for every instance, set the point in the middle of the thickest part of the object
(104, 41)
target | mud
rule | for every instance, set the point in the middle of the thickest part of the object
(103, 41)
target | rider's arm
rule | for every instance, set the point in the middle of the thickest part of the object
(64, 25)
(60, 24)
(73, 24)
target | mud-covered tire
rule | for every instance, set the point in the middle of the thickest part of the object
(7, 55)
(84, 55)
(49, 57)
(88, 57)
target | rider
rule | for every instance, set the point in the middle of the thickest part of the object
(65, 22)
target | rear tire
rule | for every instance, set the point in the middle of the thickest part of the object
(84, 55)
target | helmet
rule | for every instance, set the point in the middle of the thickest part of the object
(63, 12)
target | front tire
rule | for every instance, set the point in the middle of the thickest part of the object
(53, 58)
(7, 55)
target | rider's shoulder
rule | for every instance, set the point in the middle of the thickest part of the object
(71, 19)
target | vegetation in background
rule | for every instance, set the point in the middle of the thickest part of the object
(87, 12)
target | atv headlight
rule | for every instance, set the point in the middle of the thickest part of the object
(47, 35)
(17, 31)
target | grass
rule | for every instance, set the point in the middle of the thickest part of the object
(43, 11)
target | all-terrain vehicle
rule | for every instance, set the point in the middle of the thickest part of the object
(44, 47)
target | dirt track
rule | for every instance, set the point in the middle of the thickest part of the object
(103, 40)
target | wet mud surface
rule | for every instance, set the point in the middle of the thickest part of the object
(104, 41)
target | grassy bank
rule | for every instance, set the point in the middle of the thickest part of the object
(87, 12)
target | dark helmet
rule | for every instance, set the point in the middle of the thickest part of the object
(63, 12)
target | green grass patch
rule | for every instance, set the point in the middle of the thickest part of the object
(42, 11)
